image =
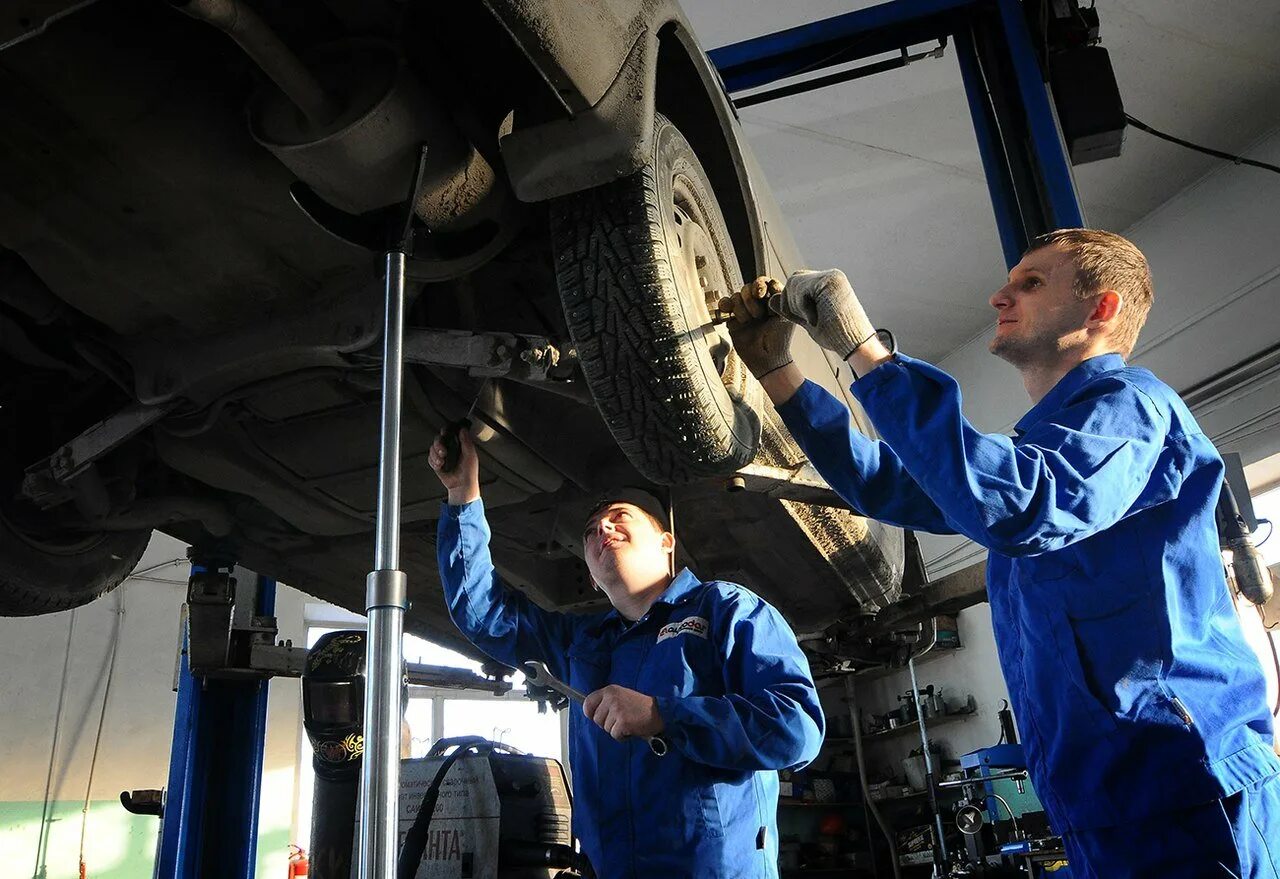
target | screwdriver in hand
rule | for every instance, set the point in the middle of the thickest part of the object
(450, 438)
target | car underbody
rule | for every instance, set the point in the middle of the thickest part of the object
(192, 324)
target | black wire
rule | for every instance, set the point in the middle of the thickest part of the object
(1275, 658)
(1002, 708)
(1271, 529)
(1231, 157)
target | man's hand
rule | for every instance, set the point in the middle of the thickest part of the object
(623, 713)
(463, 481)
(826, 306)
(761, 338)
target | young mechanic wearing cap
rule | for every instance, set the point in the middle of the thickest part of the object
(708, 665)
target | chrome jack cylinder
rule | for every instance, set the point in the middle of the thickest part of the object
(386, 601)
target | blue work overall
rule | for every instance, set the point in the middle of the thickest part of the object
(732, 686)
(1140, 703)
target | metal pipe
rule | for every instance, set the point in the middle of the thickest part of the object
(862, 776)
(1012, 817)
(942, 858)
(387, 552)
(1011, 774)
(380, 771)
(238, 21)
(386, 601)
(155, 512)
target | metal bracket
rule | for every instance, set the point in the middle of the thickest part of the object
(143, 802)
(799, 483)
(508, 355)
(47, 481)
(210, 601)
(269, 658)
(224, 640)
(446, 677)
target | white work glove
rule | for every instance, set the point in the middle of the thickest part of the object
(761, 338)
(826, 306)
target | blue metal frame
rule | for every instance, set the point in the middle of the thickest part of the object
(1026, 165)
(210, 823)
(180, 832)
(983, 762)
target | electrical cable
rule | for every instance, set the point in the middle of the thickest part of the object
(1004, 705)
(102, 717)
(1271, 528)
(1208, 151)
(1275, 658)
(43, 839)
(1004, 802)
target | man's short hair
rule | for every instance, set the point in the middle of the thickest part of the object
(1107, 261)
(644, 501)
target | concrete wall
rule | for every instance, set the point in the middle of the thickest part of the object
(136, 729)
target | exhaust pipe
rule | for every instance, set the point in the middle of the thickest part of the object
(238, 21)
(354, 129)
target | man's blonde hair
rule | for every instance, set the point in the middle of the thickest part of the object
(1107, 261)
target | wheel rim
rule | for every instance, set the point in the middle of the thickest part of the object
(698, 269)
(68, 547)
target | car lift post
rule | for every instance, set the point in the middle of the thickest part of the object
(210, 816)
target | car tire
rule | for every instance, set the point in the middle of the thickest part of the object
(38, 577)
(640, 264)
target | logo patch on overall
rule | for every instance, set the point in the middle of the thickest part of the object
(687, 626)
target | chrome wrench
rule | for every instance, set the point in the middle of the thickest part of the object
(538, 675)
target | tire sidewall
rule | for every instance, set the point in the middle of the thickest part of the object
(673, 158)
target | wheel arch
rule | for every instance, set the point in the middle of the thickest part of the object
(689, 92)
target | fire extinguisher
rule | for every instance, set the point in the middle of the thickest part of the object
(298, 865)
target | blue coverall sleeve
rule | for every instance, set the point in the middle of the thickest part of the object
(1074, 473)
(865, 472)
(499, 620)
(770, 717)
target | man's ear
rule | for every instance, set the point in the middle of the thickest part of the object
(1105, 309)
(668, 542)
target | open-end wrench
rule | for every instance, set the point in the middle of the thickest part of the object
(538, 675)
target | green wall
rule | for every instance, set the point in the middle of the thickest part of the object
(118, 845)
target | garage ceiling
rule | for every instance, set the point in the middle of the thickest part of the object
(881, 176)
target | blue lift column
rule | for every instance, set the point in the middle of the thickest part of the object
(1023, 157)
(210, 820)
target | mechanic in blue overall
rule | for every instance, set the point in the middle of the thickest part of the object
(1143, 711)
(708, 665)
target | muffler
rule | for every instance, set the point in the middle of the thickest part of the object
(351, 121)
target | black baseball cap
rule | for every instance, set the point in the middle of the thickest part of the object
(637, 497)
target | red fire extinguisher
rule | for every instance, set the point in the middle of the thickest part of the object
(298, 865)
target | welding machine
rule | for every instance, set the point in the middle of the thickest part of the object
(471, 809)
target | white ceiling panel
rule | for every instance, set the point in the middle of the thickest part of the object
(881, 177)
